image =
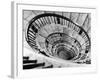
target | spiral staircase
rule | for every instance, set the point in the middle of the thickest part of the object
(63, 36)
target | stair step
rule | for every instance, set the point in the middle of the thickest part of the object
(31, 66)
(29, 61)
(51, 66)
(25, 57)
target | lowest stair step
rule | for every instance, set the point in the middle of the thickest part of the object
(31, 66)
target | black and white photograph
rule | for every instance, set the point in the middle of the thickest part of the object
(55, 39)
(50, 40)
